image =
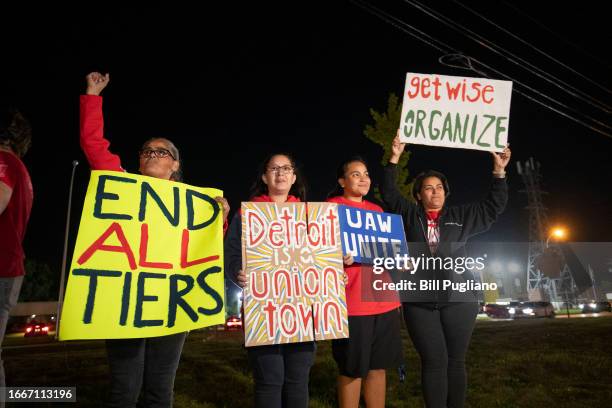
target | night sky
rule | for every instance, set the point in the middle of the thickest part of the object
(233, 83)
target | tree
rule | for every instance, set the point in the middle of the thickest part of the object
(40, 282)
(382, 133)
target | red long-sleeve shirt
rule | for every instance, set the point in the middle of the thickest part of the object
(354, 293)
(14, 219)
(94, 144)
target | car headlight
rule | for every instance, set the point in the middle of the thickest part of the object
(511, 310)
(528, 310)
(581, 305)
(593, 305)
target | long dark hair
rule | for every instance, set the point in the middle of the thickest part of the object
(15, 131)
(298, 189)
(177, 175)
(341, 173)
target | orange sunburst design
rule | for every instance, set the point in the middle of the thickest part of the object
(296, 289)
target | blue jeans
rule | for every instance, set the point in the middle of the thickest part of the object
(9, 293)
(149, 364)
(281, 374)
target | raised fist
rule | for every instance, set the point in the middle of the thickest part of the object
(96, 82)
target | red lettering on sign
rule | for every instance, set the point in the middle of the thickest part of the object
(99, 245)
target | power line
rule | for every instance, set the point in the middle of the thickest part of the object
(429, 40)
(495, 48)
(516, 37)
(388, 18)
(576, 47)
(470, 66)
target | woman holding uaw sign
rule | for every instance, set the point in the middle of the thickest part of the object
(375, 343)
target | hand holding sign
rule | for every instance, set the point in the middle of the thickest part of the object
(397, 148)
(348, 259)
(241, 278)
(501, 160)
(224, 206)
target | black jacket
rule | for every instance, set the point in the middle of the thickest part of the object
(233, 248)
(457, 223)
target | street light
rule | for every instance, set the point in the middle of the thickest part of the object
(558, 233)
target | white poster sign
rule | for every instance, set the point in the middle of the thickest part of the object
(459, 112)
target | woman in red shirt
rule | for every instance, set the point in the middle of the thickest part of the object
(147, 363)
(374, 344)
(16, 197)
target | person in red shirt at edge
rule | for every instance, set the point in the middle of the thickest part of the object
(15, 205)
(147, 363)
(280, 371)
(374, 344)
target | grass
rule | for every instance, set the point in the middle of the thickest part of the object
(526, 363)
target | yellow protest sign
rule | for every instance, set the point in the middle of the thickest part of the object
(148, 260)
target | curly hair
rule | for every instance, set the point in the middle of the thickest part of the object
(15, 132)
(418, 182)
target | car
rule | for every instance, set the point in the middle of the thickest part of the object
(531, 309)
(495, 311)
(595, 307)
(35, 328)
(233, 323)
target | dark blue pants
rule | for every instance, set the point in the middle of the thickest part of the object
(441, 336)
(143, 364)
(281, 374)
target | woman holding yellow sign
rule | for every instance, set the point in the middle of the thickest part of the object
(142, 363)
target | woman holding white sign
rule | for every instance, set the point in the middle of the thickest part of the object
(374, 344)
(280, 371)
(142, 363)
(440, 322)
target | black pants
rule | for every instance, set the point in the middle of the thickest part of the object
(281, 374)
(149, 364)
(375, 343)
(441, 336)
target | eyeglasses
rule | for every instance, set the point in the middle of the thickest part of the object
(156, 153)
(281, 169)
